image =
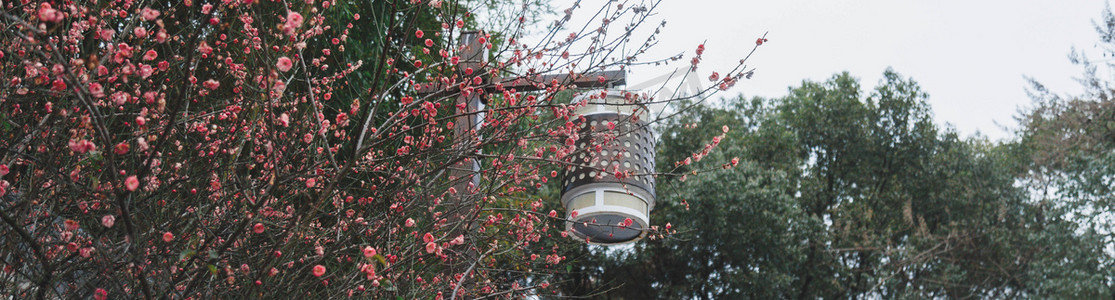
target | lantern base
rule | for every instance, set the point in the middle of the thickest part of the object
(606, 214)
(605, 229)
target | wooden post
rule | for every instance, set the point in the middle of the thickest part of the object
(465, 175)
(474, 56)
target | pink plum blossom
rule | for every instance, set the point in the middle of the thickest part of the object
(132, 183)
(284, 64)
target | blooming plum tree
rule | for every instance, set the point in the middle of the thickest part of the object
(237, 149)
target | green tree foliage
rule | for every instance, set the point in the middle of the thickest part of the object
(1066, 146)
(736, 236)
(842, 193)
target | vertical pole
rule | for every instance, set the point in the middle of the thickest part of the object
(473, 56)
(465, 175)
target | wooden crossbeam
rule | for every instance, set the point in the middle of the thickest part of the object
(474, 56)
(603, 79)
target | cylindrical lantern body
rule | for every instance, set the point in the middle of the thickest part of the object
(608, 191)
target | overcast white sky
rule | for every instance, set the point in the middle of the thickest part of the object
(970, 56)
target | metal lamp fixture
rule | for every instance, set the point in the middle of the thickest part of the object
(608, 193)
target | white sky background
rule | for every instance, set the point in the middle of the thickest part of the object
(970, 56)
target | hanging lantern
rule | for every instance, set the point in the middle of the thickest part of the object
(608, 192)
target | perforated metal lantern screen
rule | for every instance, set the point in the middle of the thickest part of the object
(611, 179)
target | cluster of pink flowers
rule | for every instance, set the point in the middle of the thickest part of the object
(82, 146)
(229, 167)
